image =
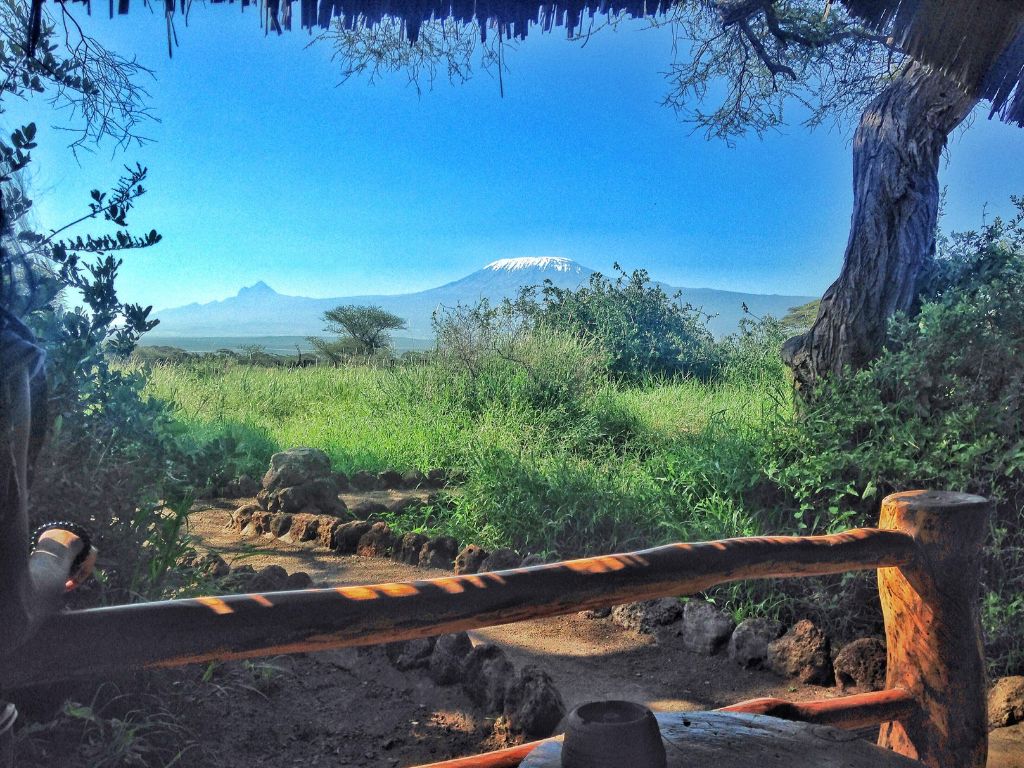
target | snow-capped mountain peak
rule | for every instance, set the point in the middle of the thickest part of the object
(553, 263)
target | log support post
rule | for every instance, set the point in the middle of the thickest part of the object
(933, 628)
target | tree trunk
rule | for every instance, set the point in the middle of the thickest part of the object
(896, 152)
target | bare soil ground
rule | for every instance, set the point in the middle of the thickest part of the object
(353, 708)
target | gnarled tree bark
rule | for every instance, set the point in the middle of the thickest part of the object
(896, 152)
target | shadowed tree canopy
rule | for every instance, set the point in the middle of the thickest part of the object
(977, 43)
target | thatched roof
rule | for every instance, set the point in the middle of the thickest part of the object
(980, 43)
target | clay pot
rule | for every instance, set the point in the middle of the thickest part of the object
(612, 734)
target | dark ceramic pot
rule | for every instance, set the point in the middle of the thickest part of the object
(612, 734)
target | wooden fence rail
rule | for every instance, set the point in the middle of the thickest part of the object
(106, 641)
(927, 551)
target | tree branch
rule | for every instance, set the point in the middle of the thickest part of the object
(775, 67)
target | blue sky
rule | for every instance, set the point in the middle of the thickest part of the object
(264, 167)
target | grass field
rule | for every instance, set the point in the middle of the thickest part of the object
(624, 467)
(576, 466)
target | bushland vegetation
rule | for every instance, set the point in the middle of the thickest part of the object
(574, 427)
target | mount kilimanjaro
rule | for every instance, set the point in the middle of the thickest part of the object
(259, 310)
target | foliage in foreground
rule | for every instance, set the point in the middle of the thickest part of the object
(943, 407)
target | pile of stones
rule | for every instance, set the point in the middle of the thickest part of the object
(527, 699)
(317, 463)
(245, 578)
(299, 502)
(1006, 702)
(803, 652)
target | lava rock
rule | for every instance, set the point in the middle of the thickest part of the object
(533, 705)
(500, 560)
(748, 645)
(247, 485)
(364, 481)
(646, 616)
(445, 665)
(436, 478)
(298, 580)
(367, 509)
(804, 652)
(1006, 702)
(403, 504)
(279, 525)
(485, 676)
(239, 577)
(389, 478)
(413, 479)
(208, 564)
(439, 553)
(259, 524)
(296, 467)
(861, 665)
(320, 495)
(705, 629)
(470, 559)
(270, 579)
(596, 613)
(328, 530)
(305, 527)
(341, 480)
(411, 654)
(408, 548)
(242, 516)
(376, 542)
(347, 536)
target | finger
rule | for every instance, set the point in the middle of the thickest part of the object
(83, 572)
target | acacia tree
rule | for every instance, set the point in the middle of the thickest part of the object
(772, 55)
(365, 330)
(771, 52)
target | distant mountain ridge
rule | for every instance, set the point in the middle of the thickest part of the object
(259, 310)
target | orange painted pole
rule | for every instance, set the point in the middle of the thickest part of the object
(849, 712)
(932, 611)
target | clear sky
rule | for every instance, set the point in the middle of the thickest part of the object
(264, 167)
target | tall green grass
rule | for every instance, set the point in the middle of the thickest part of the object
(363, 418)
(588, 467)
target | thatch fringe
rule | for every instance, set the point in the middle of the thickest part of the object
(978, 43)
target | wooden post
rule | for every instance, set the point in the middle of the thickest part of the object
(933, 628)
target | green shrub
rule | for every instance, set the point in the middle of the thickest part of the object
(752, 354)
(941, 408)
(640, 330)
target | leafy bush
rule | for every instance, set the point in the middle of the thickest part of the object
(492, 358)
(640, 330)
(105, 455)
(752, 354)
(941, 408)
(111, 461)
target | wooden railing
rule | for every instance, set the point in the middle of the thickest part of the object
(926, 549)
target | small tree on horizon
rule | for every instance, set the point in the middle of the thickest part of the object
(364, 330)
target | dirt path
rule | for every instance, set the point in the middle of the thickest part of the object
(588, 659)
